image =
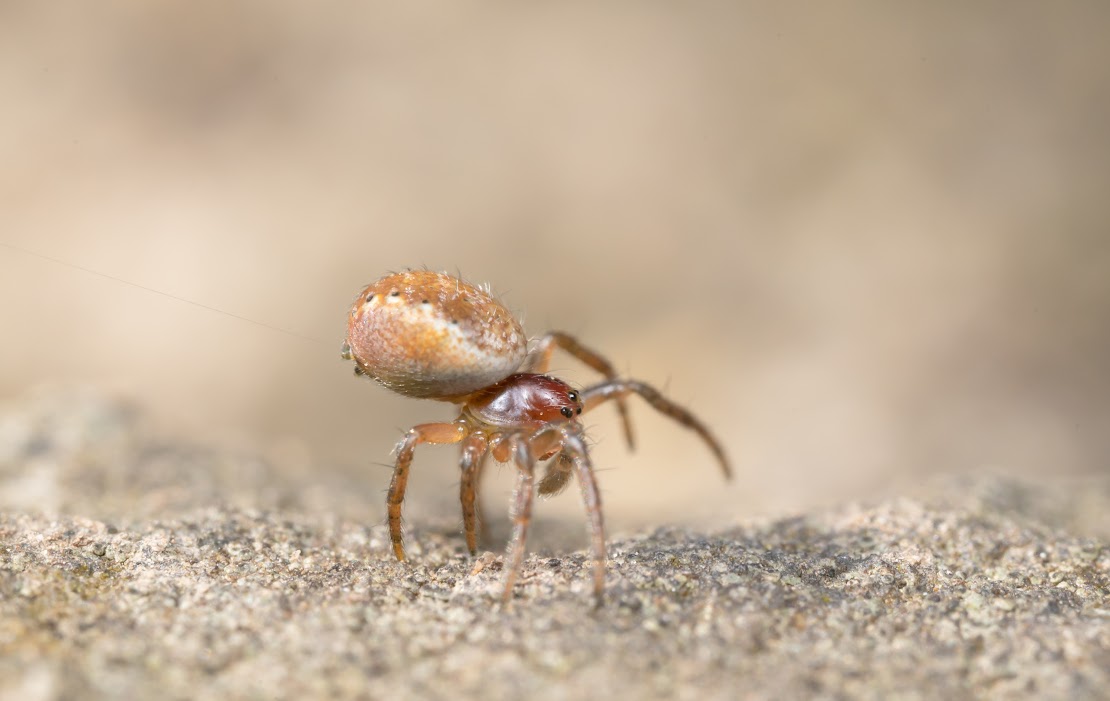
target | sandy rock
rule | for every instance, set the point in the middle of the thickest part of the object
(964, 596)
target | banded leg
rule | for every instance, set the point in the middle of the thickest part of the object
(521, 512)
(423, 433)
(472, 460)
(591, 499)
(617, 389)
(540, 360)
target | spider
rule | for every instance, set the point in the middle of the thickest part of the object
(430, 335)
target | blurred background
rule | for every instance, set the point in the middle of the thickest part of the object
(867, 243)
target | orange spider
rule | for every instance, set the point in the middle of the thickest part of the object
(430, 335)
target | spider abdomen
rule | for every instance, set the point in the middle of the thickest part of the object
(429, 335)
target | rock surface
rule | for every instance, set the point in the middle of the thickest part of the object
(156, 582)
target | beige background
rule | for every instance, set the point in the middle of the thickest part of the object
(867, 243)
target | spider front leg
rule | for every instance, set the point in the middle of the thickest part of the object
(471, 462)
(540, 360)
(591, 499)
(521, 511)
(423, 433)
(618, 389)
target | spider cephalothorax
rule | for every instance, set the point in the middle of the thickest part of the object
(431, 335)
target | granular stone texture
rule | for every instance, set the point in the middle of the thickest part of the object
(965, 595)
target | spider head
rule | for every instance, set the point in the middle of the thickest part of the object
(526, 399)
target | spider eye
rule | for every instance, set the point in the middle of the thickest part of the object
(567, 412)
(572, 395)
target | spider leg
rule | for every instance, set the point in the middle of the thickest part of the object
(591, 499)
(617, 389)
(422, 433)
(473, 458)
(521, 511)
(540, 360)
